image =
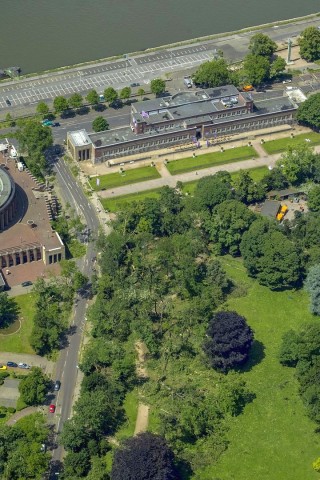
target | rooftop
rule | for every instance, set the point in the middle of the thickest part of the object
(6, 187)
(80, 138)
(270, 208)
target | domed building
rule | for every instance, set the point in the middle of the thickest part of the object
(8, 205)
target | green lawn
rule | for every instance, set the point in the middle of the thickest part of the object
(256, 174)
(135, 175)
(273, 439)
(19, 342)
(117, 203)
(211, 159)
(276, 146)
(130, 406)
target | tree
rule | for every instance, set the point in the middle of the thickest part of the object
(141, 92)
(92, 97)
(73, 437)
(110, 95)
(246, 189)
(308, 112)
(145, 456)
(157, 86)
(229, 340)
(261, 44)
(309, 43)
(270, 256)
(277, 66)
(100, 124)
(229, 221)
(125, 93)
(34, 139)
(34, 387)
(256, 68)
(314, 199)
(213, 73)
(42, 108)
(60, 104)
(8, 309)
(76, 464)
(76, 100)
(297, 163)
(212, 190)
(274, 180)
(312, 285)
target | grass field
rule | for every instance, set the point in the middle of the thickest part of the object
(117, 203)
(135, 175)
(255, 173)
(211, 159)
(19, 342)
(273, 439)
(276, 146)
(131, 408)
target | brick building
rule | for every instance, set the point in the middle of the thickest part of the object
(187, 117)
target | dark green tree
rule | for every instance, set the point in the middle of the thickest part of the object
(308, 112)
(277, 66)
(144, 456)
(42, 108)
(213, 73)
(312, 285)
(246, 189)
(256, 69)
(229, 340)
(213, 190)
(76, 100)
(92, 97)
(229, 221)
(34, 139)
(141, 92)
(125, 93)
(34, 387)
(76, 464)
(309, 43)
(314, 199)
(60, 104)
(261, 44)
(110, 95)
(100, 124)
(297, 163)
(157, 86)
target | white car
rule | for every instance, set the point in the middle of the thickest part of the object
(287, 81)
(24, 365)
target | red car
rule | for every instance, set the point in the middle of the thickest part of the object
(52, 408)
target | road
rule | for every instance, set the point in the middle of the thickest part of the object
(66, 368)
(138, 69)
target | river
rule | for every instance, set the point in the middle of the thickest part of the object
(42, 34)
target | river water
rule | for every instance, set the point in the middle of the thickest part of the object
(42, 34)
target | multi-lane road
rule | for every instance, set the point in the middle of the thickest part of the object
(67, 365)
(136, 69)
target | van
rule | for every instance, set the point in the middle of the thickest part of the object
(248, 88)
(188, 82)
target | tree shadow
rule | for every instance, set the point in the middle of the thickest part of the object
(9, 312)
(68, 114)
(184, 469)
(256, 355)
(101, 107)
(83, 110)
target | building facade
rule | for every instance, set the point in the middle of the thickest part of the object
(8, 200)
(189, 117)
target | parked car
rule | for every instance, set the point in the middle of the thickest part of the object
(52, 408)
(55, 124)
(135, 84)
(24, 365)
(26, 284)
(8, 102)
(3, 367)
(287, 81)
(57, 385)
(12, 364)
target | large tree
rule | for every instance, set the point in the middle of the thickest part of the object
(110, 95)
(157, 86)
(246, 189)
(308, 112)
(314, 199)
(145, 456)
(42, 108)
(270, 256)
(227, 225)
(212, 190)
(8, 309)
(261, 44)
(277, 66)
(213, 73)
(125, 93)
(34, 139)
(228, 342)
(256, 69)
(60, 104)
(312, 285)
(76, 100)
(92, 97)
(100, 124)
(297, 163)
(309, 43)
(34, 387)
